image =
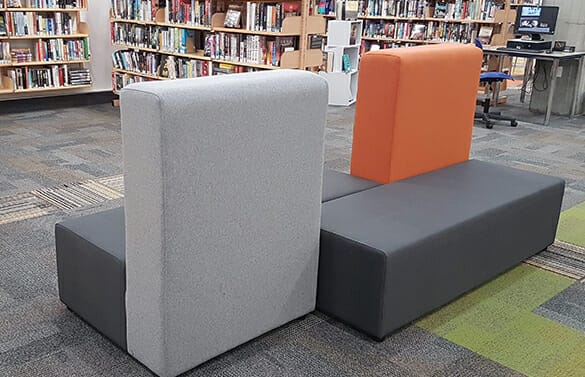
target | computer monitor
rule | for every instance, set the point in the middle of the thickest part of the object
(536, 20)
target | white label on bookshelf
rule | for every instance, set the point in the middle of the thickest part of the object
(83, 16)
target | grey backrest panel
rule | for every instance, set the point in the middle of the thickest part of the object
(223, 189)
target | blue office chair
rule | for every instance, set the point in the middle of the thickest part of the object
(489, 78)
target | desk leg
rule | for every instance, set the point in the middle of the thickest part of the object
(577, 85)
(527, 75)
(551, 92)
(498, 84)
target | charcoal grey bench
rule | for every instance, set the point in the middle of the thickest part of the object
(91, 260)
(393, 253)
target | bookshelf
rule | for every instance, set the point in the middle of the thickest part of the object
(44, 46)
(192, 38)
(402, 23)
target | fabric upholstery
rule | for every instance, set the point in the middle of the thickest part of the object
(91, 270)
(415, 109)
(396, 252)
(223, 186)
(337, 184)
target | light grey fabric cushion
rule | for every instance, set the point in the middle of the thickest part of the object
(223, 189)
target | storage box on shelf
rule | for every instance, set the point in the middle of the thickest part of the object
(342, 55)
(183, 40)
(44, 46)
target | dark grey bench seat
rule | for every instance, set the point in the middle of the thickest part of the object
(91, 260)
(393, 253)
(91, 270)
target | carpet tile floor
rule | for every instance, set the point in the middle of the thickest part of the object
(497, 330)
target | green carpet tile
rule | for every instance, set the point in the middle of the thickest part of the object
(572, 227)
(497, 322)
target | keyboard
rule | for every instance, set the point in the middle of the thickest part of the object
(519, 50)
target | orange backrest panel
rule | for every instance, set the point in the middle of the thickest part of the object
(414, 111)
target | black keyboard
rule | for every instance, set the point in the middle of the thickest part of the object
(519, 50)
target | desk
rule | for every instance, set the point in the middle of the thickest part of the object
(555, 57)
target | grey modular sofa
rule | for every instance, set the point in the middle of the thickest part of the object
(218, 241)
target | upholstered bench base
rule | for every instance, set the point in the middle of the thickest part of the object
(91, 270)
(391, 254)
(91, 260)
(337, 185)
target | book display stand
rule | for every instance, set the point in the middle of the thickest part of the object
(44, 46)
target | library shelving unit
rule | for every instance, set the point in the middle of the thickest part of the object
(401, 23)
(191, 38)
(342, 50)
(44, 46)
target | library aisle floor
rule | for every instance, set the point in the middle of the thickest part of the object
(41, 151)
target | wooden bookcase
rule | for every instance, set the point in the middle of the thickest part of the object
(44, 46)
(401, 23)
(203, 45)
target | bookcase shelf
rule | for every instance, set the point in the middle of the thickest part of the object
(285, 35)
(34, 63)
(428, 19)
(25, 68)
(244, 64)
(64, 10)
(134, 73)
(62, 36)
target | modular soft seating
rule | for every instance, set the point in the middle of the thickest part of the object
(222, 210)
(444, 224)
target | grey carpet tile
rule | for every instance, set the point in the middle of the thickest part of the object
(568, 307)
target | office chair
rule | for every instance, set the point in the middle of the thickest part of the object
(489, 78)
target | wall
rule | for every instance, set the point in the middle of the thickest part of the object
(98, 16)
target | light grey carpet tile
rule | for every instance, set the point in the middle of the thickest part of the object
(568, 307)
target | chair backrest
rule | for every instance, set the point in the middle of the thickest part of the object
(415, 109)
(223, 183)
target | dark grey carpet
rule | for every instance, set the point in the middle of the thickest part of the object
(39, 337)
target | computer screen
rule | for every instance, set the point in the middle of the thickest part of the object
(536, 19)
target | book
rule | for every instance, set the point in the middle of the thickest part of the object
(232, 16)
(315, 41)
(418, 32)
(346, 63)
(485, 34)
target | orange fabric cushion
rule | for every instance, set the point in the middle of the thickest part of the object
(414, 111)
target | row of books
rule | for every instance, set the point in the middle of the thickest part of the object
(53, 77)
(456, 10)
(193, 12)
(431, 31)
(248, 48)
(60, 50)
(154, 64)
(33, 23)
(169, 39)
(5, 56)
(142, 10)
(63, 4)
(226, 68)
(120, 80)
(21, 55)
(267, 17)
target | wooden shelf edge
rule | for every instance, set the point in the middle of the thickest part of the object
(35, 63)
(146, 75)
(164, 24)
(244, 64)
(33, 90)
(24, 37)
(154, 51)
(43, 9)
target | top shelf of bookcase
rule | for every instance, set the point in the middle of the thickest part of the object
(64, 10)
(428, 19)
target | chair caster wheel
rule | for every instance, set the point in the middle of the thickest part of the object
(514, 123)
(489, 125)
